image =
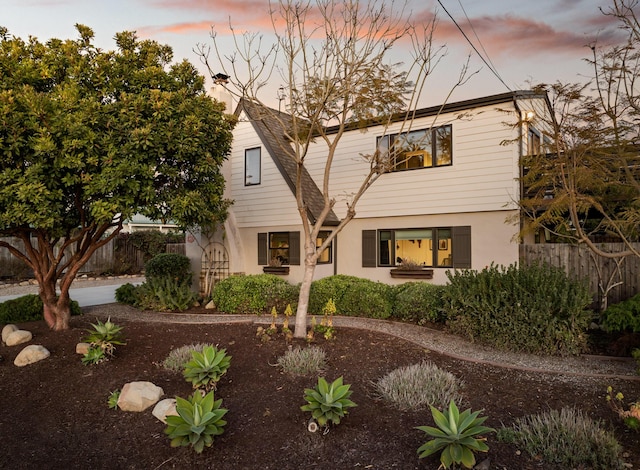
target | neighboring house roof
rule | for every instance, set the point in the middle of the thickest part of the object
(269, 123)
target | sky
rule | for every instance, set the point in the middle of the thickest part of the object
(524, 42)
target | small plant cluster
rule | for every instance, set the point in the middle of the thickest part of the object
(102, 339)
(266, 334)
(630, 417)
(303, 361)
(200, 416)
(179, 357)
(167, 287)
(418, 386)
(328, 403)
(623, 316)
(567, 438)
(325, 328)
(457, 436)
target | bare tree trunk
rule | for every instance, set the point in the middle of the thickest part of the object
(300, 330)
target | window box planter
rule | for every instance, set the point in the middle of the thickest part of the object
(412, 273)
(278, 270)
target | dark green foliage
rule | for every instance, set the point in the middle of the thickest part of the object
(27, 308)
(623, 316)
(254, 294)
(168, 265)
(150, 242)
(536, 309)
(352, 296)
(159, 294)
(126, 294)
(419, 302)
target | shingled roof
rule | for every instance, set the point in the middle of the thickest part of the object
(269, 123)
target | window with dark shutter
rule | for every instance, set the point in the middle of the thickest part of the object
(294, 248)
(369, 249)
(263, 259)
(462, 247)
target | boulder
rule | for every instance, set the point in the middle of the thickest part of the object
(7, 330)
(138, 396)
(18, 337)
(164, 408)
(30, 354)
(82, 348)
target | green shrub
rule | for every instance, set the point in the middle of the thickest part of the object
(199, 420)
(418, 386)
(169, 265)
(159, 294)
(353, 296)
(537, 309)
(254, 294)
(179, 357)
(303, 361)
(27, 308)
(567, 437)
(455, 436)
(419, 302)
(623, 316)
(126, 294)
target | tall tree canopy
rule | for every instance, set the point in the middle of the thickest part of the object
(88, 138)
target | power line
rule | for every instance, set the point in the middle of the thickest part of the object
(489, 66)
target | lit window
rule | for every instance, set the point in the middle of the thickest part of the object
(326, 255)
(418, 149)
(427, 247)
(279, 247)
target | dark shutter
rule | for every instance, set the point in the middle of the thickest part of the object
(461, 249)
(263, 249)
(369, 249)
(294, 248)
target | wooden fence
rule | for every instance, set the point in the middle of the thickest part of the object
(578, 262)
(117, 256)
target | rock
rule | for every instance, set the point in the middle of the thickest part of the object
(30, 354)
(18, 337)
(82, 348)
(164, 408)
(210, 305)
(138, 396)
(7, 330)
(484, 465)
(24, 283)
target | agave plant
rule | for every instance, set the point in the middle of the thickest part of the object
(105, 336)
(328, 403)
(206, 368)
(454, 436)
(198, 421)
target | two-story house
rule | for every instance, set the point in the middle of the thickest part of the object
(449, 201)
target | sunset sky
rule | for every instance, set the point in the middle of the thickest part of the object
(539, 41)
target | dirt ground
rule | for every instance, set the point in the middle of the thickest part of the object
(55, 415)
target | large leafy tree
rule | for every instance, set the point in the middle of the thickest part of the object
(583, 184)
(334, 60)
(88, 138)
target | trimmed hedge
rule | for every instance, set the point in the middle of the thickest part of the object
(169, 265)
(27, 308)
(536, 309)
(254, 294)
(419, 302)
(353, 296)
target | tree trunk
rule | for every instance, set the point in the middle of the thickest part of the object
(300, 330)
(56, 309)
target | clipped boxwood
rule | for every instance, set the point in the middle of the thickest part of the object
(419, 302)
(254, 294)
(27, 308)
(168, 265)
(353, 296)
(536, 309)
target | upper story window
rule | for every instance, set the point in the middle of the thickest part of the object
(252, 166)
(423, 148)
(533, 141)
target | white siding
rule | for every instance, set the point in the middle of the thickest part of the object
(269, 203)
